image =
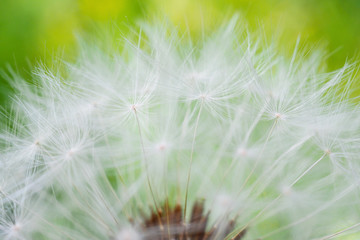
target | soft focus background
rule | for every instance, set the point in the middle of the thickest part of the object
(33, 30)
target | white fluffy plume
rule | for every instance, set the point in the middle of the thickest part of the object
(269, 141)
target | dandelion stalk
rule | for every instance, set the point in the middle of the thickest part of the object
(191, 158)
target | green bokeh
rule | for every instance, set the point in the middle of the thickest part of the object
(33, 30)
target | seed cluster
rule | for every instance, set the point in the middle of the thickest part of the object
(168, 223)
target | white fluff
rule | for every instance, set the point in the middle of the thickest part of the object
(271, 141)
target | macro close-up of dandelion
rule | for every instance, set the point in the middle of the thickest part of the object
(160, 136)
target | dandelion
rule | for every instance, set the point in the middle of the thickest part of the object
(169, 138)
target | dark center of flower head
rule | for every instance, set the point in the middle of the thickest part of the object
(168, 223)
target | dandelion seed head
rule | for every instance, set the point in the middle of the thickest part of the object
(170, 138)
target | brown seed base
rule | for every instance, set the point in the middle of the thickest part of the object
(168, 224)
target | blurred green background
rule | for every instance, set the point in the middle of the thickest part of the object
(32, 30)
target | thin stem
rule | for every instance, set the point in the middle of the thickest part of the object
(146, 166)
(339, 232)
(166, 194)
(191, 159)
(182, 136)
(308, 169)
